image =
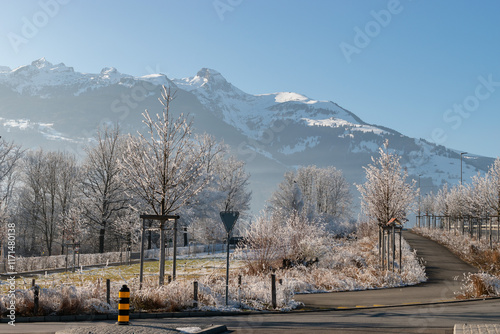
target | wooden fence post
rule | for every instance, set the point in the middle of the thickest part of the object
(273, 290)
(195, 294)
(108, 290)
(35, 297)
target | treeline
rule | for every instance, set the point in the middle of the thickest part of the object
(55, 198)
(479, 198)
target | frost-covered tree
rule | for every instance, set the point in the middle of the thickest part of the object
(441, 204)
(288, 197)
(279, 236)
(103, 188)
(455, 202)
(386, 194)
(492, 188)
(166, 166)
(475, 195)
(126, 227)
(10, 156)
(48, 191)
(318, 193)
(227, 191)
(428, 204)
(74, 225)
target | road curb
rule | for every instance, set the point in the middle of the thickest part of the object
(187, 314)
(350, 308)
(213, 330)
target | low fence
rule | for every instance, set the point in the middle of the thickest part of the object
(25, 264)
(188, 250)
(487, 228)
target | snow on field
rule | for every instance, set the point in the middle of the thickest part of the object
(350, 265)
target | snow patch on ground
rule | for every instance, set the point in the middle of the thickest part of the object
(334, 122)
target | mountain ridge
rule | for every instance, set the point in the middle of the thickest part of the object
(59, 108)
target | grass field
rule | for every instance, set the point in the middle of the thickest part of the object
(187, 269)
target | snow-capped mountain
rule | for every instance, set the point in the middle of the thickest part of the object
(45, 80)
(53, 106)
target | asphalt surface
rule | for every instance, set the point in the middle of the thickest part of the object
(427, 319)
(444, 271)
(346, 317)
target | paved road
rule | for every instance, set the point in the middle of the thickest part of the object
(442, 267)
(430, 319)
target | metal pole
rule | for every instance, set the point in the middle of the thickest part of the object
(142, 256)
(273, 290)
(461, 177)
(393, 246)
(174, 269)
(227, 271)
(400, 253)
(162, 253)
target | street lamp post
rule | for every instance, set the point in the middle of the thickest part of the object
(419, 197)
(461, 174)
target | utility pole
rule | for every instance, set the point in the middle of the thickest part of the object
(461, 175)
(419, 197)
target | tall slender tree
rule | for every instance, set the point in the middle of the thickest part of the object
(103, 187)
(386, 194)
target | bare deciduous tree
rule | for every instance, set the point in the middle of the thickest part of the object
(318, 193)
(103, 187)
(10, 155)
(49, 188)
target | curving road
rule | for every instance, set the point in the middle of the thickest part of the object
(444, 271)
(344, 313)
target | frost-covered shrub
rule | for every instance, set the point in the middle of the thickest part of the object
(172, 297)
(479, 285)
(273, 239)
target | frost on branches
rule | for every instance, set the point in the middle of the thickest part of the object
(386, 194)
(166, 167)
(320, 194)
(479, 198)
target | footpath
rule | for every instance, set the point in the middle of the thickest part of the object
(444, 271)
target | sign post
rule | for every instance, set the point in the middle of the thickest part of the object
(229, 220)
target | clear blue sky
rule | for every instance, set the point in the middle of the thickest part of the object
(406, 72)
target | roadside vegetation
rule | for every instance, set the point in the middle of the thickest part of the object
(476, 252)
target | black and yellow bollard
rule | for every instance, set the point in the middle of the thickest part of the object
(123, 305)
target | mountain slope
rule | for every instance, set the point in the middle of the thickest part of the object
(53, 106)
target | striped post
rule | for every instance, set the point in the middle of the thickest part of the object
(123, 306)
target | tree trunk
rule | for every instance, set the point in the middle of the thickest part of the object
(62, 243)
(102, 231)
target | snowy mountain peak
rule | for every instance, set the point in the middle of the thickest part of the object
(208, 74)
(41, 63)
(289, 96)
(4, 69)
(207, 80)
(109, 71)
